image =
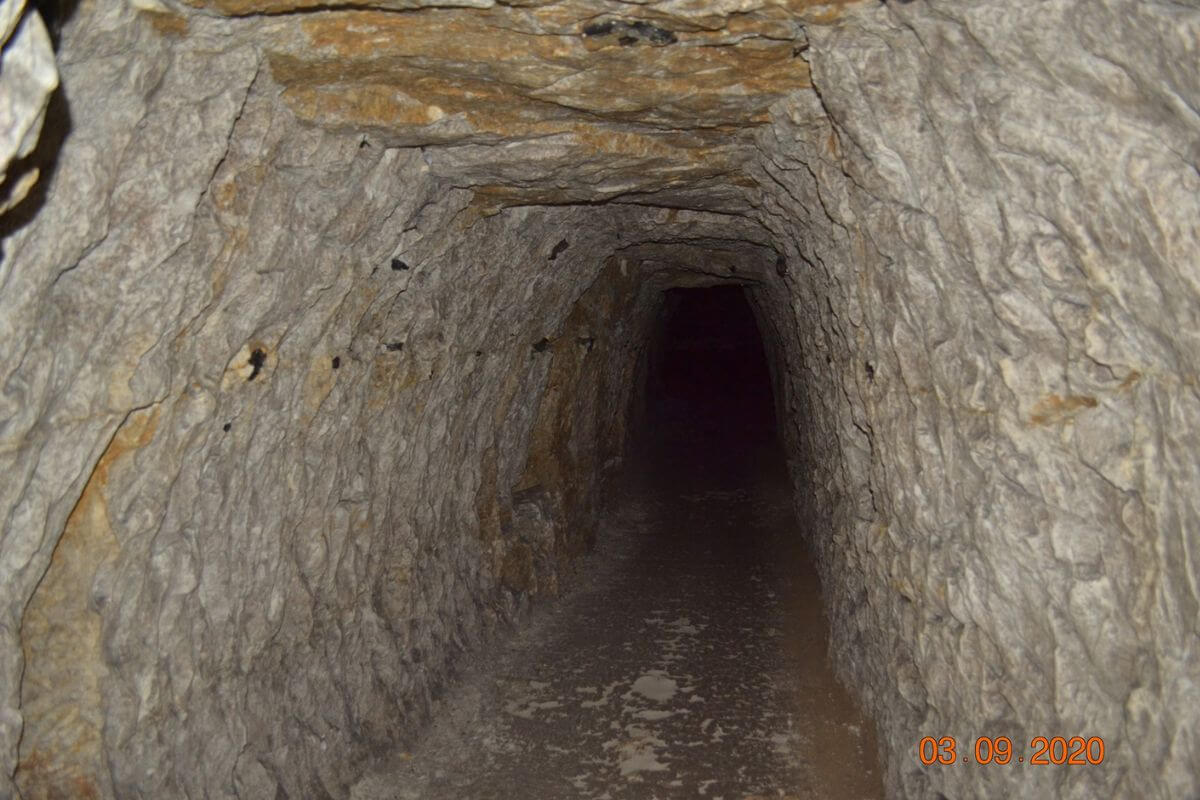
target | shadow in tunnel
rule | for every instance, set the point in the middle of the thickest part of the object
(705, 456)
(709, 411)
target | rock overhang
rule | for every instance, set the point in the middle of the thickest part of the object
(549, 103)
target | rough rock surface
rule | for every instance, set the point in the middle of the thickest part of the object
(997, 222)
(320, 342)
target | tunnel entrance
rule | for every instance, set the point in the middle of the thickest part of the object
(708, 404)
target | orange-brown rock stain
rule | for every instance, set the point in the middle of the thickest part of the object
(564, 454)
(1054, 408)
(493, 516)
(391, 374)
(167, 23)
(319, 381)
(569, 444)
(443, 76)
(657, 116)
(493, 510)
(60, 754)
(235, 194)
(1131, 380)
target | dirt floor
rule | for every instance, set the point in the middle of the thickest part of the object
(691, 662)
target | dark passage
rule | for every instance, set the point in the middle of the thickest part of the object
(709, 408)
(691, 661)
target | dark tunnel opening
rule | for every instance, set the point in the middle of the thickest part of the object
(708, 402)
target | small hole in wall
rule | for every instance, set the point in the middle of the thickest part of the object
(394, 347)
(258, 360)
(227, 426)
(653, 33)
(599, 28)
(337, 362)
(562, 245)
(870, 371)
(541, 345)
(398, 265)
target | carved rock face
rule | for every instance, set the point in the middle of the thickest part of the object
(297, 406)
(587, 104)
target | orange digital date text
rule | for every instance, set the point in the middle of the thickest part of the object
(1044, 750)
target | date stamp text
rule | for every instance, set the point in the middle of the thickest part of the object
(1043, 750)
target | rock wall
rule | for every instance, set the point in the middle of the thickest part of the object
(991, 208)
(310, 382)
(298, 420)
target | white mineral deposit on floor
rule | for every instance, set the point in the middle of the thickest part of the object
(654, 685)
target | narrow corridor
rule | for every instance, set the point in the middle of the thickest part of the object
(691, 659)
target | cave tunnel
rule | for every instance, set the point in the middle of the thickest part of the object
(585, 399)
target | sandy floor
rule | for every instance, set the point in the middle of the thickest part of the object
(690, 661)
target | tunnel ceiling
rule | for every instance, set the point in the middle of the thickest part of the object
(591, 101)
(702, 261)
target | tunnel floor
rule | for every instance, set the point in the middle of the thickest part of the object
(690, 663)
(689, 659)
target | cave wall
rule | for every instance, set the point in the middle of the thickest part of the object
(982, 325)
(268, 402)
(990, 213)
